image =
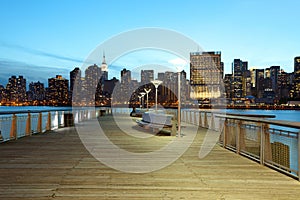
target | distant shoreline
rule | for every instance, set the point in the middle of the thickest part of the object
(265, 107)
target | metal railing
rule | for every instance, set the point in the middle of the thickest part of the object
(272, 143)
(17, 124)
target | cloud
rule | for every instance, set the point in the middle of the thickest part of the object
(179, 63)
(38, 52)
(43, 53)
(29, 71)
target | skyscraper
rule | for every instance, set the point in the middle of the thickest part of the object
(252, 74)
(169, 88)
(228, 86)
(58, 90)
(205, 75)
(259, 82)
(92, 83)
(104, 68)
(2, 93)
(16, 89)
(161, 76)
(75, 75)
(75, 84)
(125, 86)
(125, 76)
(147, 76)
(37, 91)
(296, 87)
(239, 80)
(285, 84)
(247, 85)
(274, 73)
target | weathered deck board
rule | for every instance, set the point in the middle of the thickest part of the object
(56, 165)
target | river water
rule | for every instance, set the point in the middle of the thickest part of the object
(289, 115)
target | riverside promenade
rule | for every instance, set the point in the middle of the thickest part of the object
(56, 165)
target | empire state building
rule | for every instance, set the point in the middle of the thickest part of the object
(104, 68)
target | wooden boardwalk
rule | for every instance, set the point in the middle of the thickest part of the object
(55, 165)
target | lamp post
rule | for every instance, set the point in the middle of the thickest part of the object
(179, 104)
(140, 101)
(179, 64)
(156, 83)
(142, 96)
(147, 92)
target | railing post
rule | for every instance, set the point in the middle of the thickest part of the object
(94, 114)
(238, 134)
(13, 129)
(262, 145)
(186, 116)
(232, 132)
(267, 143)
(39, 124)
(62, 119)
(200, 119)
(212, 121)
(86, 112)
(78, 114)
(174, 128)
(91, 114)
(242, 142)
(205, 120)
(28, 125)
(225, 132)
(48, 125)
(195, 117)
(57, 119)
(190, 121)
(221, 130)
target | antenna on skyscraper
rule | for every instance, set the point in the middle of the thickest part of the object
(103, 58)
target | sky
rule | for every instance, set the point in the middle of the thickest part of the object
(39, 39)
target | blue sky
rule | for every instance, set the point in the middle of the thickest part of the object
(39, 39)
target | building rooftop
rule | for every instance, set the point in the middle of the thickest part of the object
(206, 53)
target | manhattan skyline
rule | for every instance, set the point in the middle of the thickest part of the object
(41, 39)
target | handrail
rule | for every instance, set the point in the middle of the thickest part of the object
(48, 110)
(31, 111)
(289, 124)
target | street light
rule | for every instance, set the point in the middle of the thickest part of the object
(142, 95)
(179, 64)
(140, 101)
(147, 92)
(156, 83)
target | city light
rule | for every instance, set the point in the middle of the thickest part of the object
(243, 88)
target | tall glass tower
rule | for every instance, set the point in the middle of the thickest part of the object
(206, 73)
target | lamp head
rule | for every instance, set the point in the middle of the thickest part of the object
(156, 83)
(147, 90)
(179, 63)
